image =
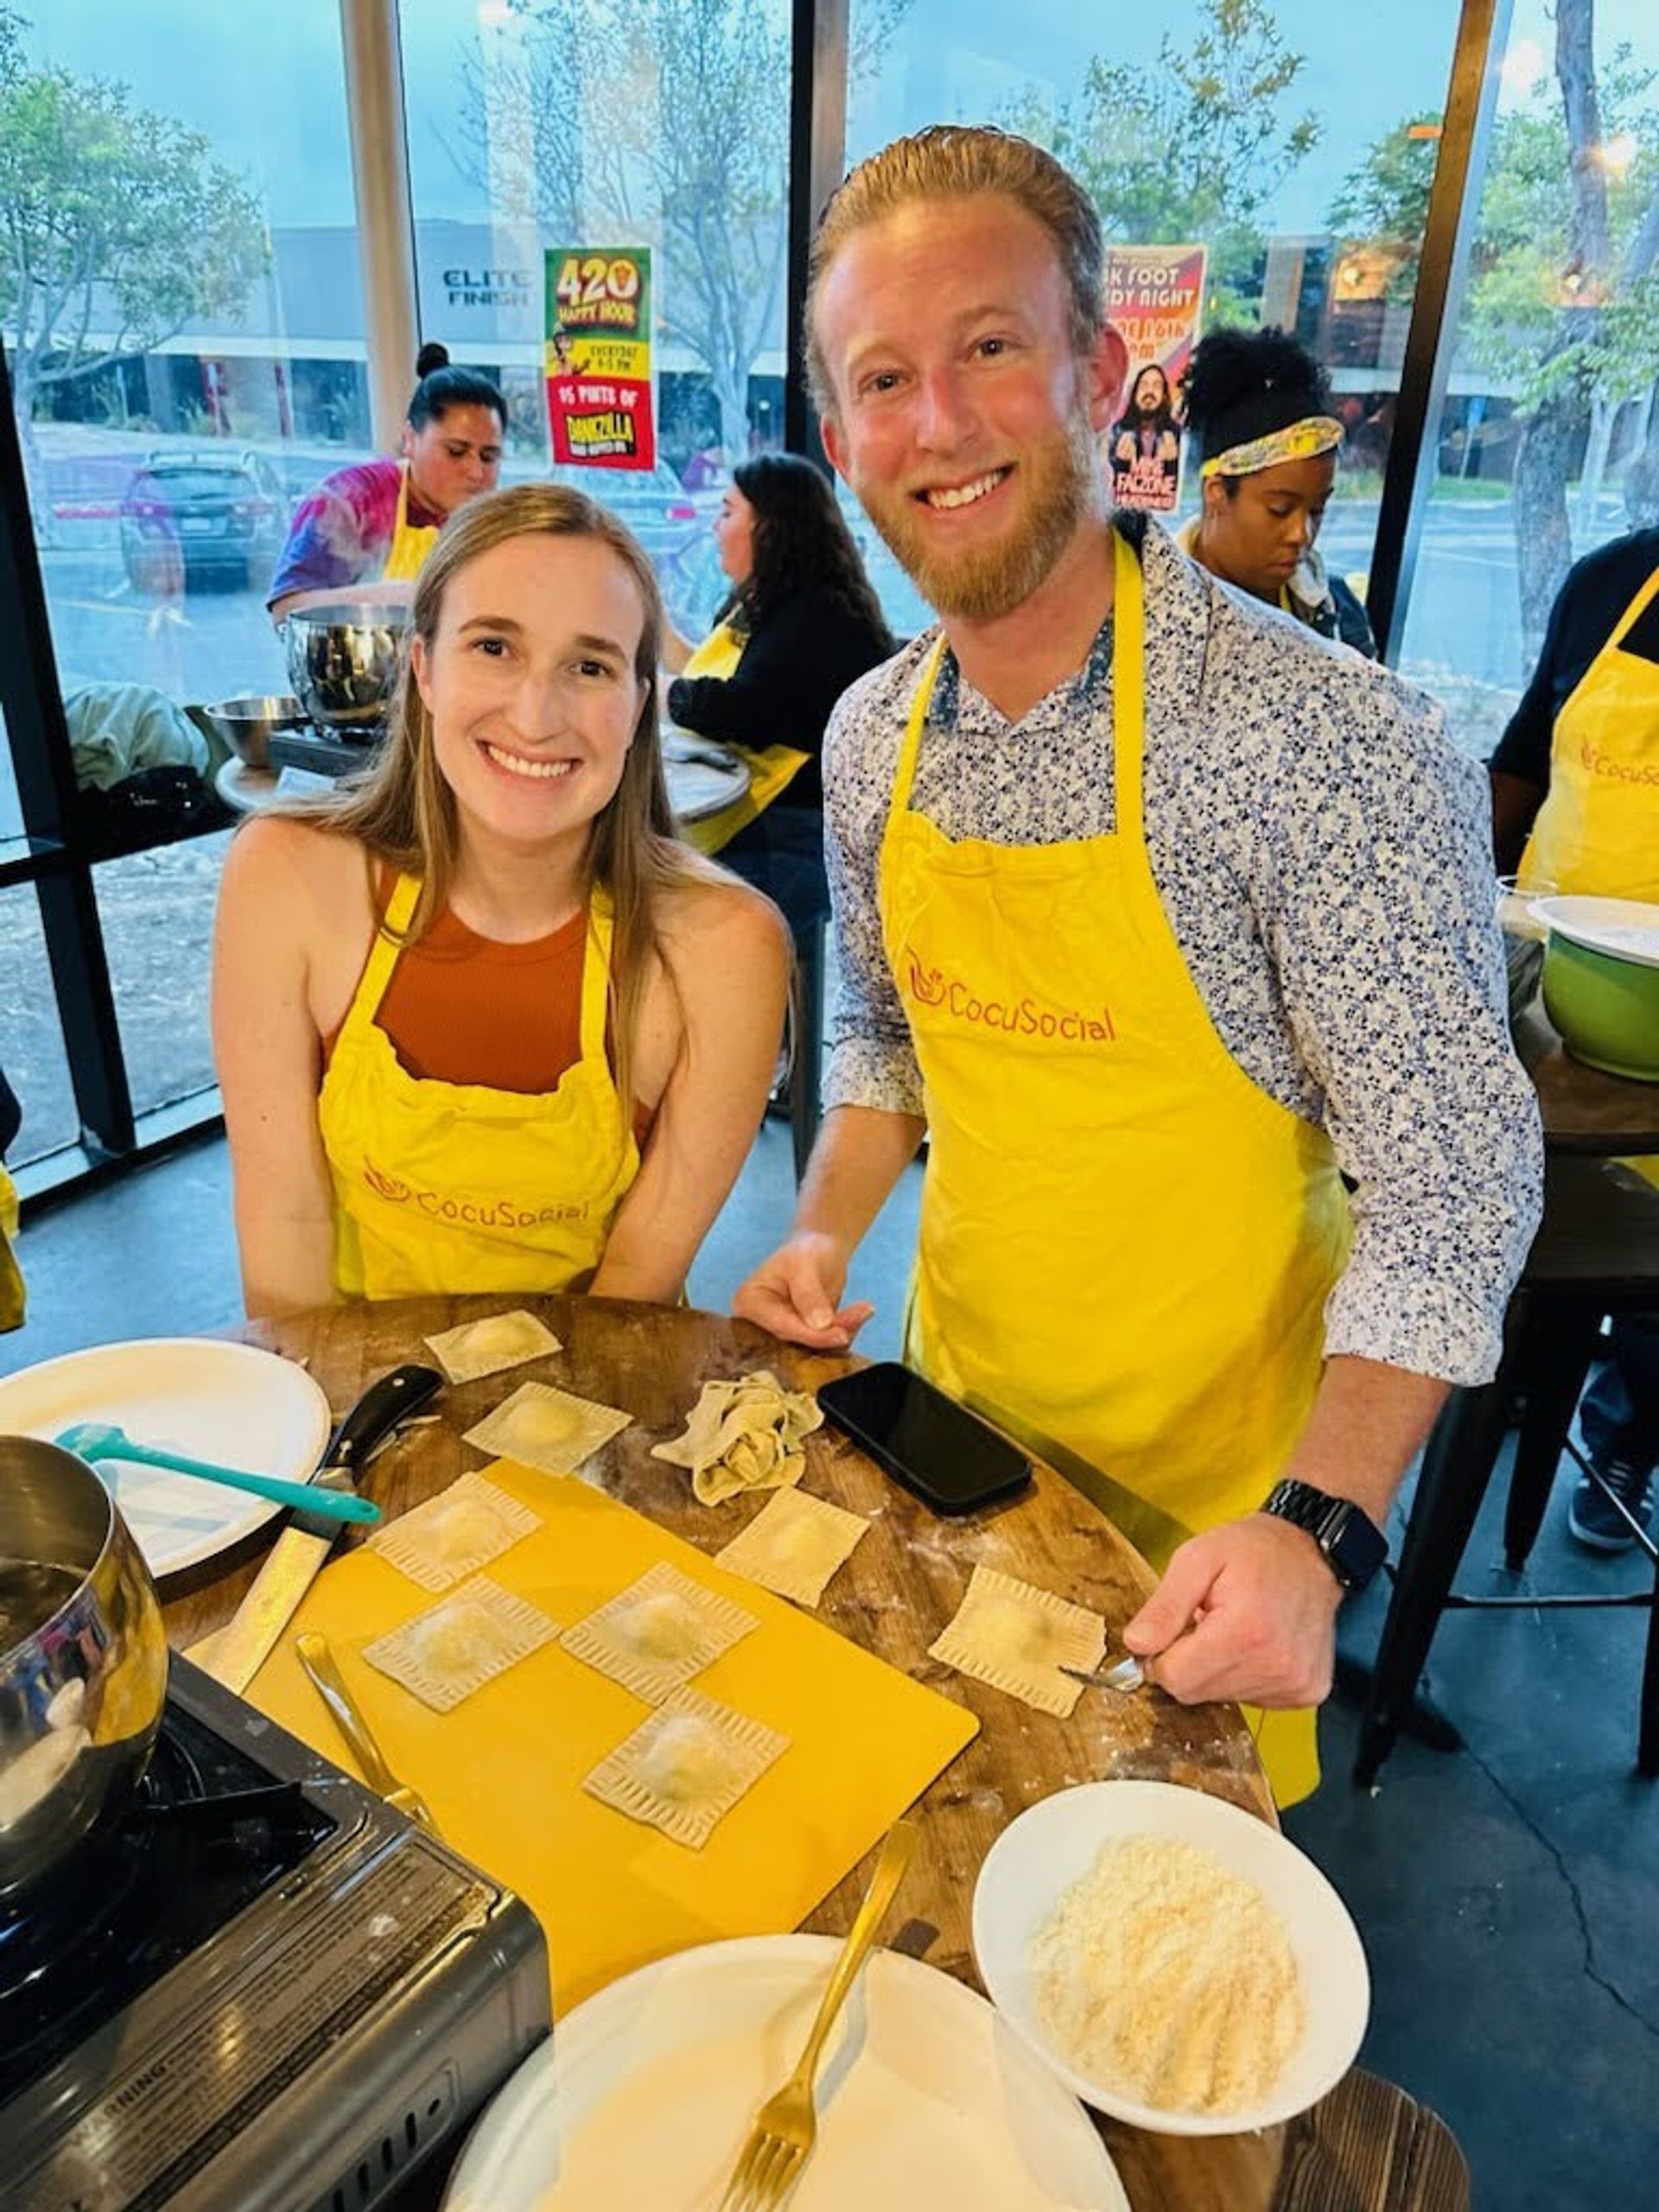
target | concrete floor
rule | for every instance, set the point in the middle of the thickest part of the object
(1508, 1894)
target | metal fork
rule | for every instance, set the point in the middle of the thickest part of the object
(785, 2125)
(318, 1663)
(1128, 1674)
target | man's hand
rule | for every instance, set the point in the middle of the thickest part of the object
(794, 1293)
(1247, 1610)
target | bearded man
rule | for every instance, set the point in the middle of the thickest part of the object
(1166, 924)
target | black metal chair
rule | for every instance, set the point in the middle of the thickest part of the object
(806, 1042)
(1596, 1252)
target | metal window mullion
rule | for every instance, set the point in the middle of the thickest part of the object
(1436, 310)
(817, 157)
(33, 704)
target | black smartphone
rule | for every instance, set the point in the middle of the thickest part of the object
(951, 1459)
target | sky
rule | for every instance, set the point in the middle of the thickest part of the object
(266, 84)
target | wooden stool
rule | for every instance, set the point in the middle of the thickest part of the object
(1596, 1252)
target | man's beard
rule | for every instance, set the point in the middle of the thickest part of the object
(1061, 482)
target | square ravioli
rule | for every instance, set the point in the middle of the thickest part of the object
(456, 1646)
(549, 1429)
(502, 1340)
(659, 1633)
(452, 1535)
(794, 1545)
(1016, 1637)
(683, 1769)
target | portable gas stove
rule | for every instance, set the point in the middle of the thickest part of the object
(323, 751)
(256, 1989)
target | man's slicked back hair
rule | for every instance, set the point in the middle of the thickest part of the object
(954, 161)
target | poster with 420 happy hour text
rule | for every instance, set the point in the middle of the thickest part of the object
(601, 396)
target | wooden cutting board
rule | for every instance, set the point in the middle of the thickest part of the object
(503, 1771)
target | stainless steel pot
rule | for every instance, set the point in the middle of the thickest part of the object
(83, 1656)
(343, 660)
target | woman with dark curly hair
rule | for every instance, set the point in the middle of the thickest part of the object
(801, 624)
(1258, 406)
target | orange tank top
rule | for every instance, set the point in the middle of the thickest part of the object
(465, 1008)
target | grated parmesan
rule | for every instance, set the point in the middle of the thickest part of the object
(1168, 1978)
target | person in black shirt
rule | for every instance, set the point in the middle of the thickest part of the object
(1575, 803)
(1599, 591)
(802, 623)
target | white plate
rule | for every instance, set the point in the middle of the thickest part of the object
(1051, 1844)
(1629, 928)
(642, 2100)
(223, 1401)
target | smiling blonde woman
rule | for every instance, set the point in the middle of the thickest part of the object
(482, 1023)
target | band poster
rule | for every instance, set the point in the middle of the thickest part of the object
(1154, 300)
(600, 372)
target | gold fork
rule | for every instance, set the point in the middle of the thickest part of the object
(786, 2124)
(318, 1663)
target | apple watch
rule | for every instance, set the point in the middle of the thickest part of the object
(1354, 1547)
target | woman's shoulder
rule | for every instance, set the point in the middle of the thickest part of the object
(286, 857)
(824, 618)
(360, 484)
(717, 917)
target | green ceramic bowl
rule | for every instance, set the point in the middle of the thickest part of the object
(1606, 1008)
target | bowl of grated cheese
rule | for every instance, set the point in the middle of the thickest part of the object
(1177, 1962)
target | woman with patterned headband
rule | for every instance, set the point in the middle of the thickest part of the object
(1258, 408)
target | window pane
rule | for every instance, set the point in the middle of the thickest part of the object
(31, 1040)
(1539, 464)
(1233, 124)
(613, 123)
(12, 812)
(156, 909)
(187, 358)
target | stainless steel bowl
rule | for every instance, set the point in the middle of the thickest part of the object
(246, 725)
(83, 1656)
(343, 660)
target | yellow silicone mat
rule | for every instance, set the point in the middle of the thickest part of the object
(503, 1772)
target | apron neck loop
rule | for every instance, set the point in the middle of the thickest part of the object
(1129, 694)
(1128, 685)
(387, 947)
(596, 973)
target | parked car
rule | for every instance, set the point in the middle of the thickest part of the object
(187, 517)
(656, 507)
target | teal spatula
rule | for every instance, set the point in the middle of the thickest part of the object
(91, 1440)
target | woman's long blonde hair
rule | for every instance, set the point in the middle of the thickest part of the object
(403, 811)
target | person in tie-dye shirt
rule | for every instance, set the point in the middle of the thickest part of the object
(377, 521)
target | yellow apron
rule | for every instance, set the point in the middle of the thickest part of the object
(11, 1275)
(411, 542)
(452, 1187)
(1598, 829)
(1126, 1245)
(770, 770)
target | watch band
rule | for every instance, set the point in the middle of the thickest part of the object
(1352, 1544)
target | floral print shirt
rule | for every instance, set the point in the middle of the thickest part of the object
(342, 532)
(1323, 855)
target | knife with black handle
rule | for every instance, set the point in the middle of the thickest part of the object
(235, 1656)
